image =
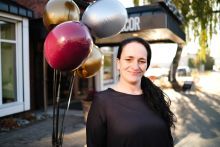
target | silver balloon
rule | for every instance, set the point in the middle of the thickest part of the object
(105, 18)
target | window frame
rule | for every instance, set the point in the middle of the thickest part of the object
(22, 66)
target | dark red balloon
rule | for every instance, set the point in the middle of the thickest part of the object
(67, 45)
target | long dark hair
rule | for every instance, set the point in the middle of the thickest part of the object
(155, 98)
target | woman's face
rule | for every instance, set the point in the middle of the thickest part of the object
(132, 63)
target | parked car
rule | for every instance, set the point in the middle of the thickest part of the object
(185, 78)
(183, 71)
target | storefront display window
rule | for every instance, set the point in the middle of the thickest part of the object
(108, 76)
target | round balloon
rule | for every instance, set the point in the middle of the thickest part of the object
(67, 45)
(58, 11)
(105, 18)
(92, 64)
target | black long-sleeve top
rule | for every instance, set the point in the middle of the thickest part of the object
(122, 120)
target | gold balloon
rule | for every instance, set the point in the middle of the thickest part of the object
(92, 64)
(58, 11)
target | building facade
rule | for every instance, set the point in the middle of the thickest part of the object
(26, 81)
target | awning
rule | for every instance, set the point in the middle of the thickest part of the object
(154, 23)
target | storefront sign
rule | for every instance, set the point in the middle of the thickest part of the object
(133, 24)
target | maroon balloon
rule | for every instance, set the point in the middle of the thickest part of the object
(67, 45)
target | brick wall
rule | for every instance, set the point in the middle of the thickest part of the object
(36, 5)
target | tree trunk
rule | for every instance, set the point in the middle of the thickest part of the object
(173, 69)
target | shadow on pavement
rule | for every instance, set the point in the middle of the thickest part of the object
(197, 113)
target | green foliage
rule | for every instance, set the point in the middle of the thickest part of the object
(197, 13)
(203, 46)
(199, 18)
(136, 2)
(191, 63)
(209, 63)
(195, 63)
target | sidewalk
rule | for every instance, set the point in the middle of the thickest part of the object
(198, 118)
(39, 133)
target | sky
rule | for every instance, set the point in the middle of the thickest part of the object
(215, 45)
(127, 3)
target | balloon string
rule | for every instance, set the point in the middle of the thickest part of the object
(71, 89)
(54, 106)
(57, 109)
(67, 108)
(69, 15)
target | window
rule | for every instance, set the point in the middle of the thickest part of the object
(8, 61)
(14, 64)
(108, 68)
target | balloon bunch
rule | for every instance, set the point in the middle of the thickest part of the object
(69, 44)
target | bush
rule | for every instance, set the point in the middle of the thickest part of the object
(209, 63)
(191, 63)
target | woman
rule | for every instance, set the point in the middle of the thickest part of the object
(134, 112)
